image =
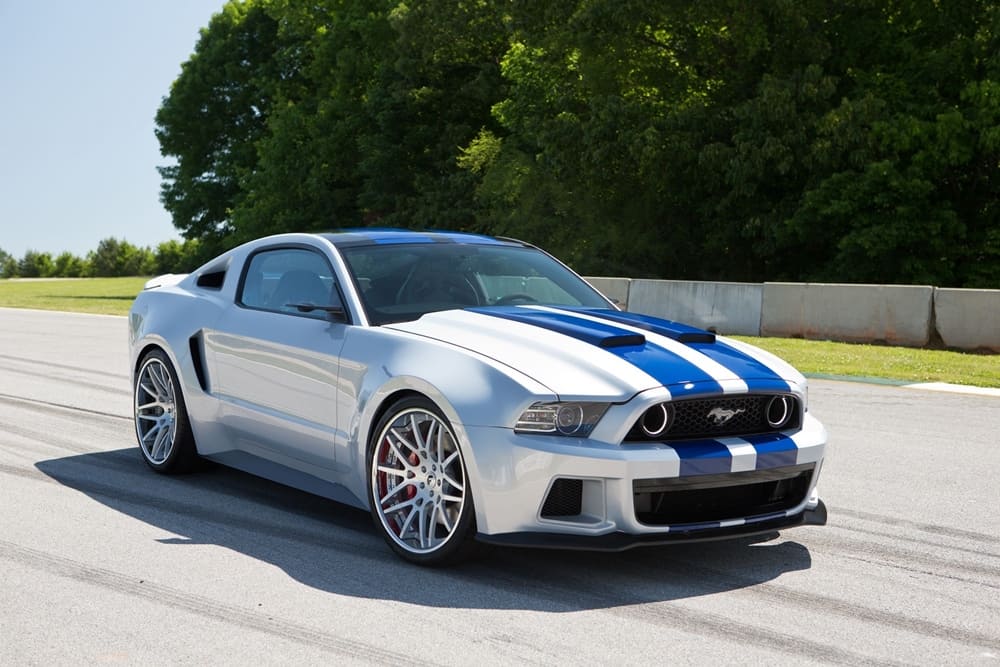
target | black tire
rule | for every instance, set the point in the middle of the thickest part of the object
(407, 475)
(162, 428)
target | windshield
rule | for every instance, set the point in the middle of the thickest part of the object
(400, 282)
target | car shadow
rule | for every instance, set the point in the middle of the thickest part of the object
(335, 548)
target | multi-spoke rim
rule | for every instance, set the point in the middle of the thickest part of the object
(155, 410)
(418, 481)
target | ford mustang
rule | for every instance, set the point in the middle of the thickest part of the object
(467, 389)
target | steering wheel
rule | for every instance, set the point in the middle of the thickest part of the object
(518, 297)
(438, 288)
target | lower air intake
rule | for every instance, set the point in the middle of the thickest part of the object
(679, 500)
(565, 499)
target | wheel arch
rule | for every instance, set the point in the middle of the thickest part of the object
(382, 400)
(394, 389)
(145, 348)
(384, 407)
(143, 351)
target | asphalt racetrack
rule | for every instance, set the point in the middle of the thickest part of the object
(104, 562)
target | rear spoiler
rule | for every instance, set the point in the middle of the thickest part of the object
(166, 280)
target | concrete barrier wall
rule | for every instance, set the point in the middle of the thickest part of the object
(910, 315)
(895, 314)
(728, 308)
(968, 319)
(616, 289)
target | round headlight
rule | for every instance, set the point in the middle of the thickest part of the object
(779, 411)
(656, 420)
(569, 419)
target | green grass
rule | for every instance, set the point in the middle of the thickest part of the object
(904, 364)
(113, 296)
(107, 296)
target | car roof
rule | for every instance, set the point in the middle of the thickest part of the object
(376, 236)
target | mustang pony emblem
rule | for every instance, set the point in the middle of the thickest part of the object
(720, 416)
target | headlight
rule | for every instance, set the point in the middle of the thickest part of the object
(572, 419)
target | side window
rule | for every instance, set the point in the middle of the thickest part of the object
(281, 279)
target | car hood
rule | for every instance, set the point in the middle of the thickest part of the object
(607, 355)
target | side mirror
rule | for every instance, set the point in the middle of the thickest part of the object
(333, 313)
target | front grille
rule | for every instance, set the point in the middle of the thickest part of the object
(565, 498)
(716, 417)
(706, 498)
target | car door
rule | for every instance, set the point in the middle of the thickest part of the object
(275, 358)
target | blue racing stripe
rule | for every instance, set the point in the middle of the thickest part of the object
(703, 457)
(666, 367)
(676, 330)
(774, 450)
(389, 236)
(461, 237)
(400, 240)
(601, 335)
(758, 376)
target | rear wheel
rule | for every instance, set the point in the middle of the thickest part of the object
(418, 488)
(161, 422)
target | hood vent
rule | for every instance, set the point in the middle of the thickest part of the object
(676, 330)
(595, 333)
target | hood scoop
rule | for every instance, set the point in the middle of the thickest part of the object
(676, 330)
(595, 333)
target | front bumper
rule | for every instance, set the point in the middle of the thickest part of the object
(624, 541)
(515, 476)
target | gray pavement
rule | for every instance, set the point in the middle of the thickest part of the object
(102, 561)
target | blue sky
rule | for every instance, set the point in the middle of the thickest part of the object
(80, 83)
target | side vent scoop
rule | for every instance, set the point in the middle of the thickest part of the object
(196, 346)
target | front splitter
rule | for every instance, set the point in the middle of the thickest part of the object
(623, 541)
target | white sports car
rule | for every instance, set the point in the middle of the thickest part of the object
(465, 388)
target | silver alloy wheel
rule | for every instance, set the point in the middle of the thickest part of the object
(155, 411)
(418, 481)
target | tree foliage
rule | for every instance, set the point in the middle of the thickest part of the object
(771, 140)
(8, 264)
(35, 264)
(215, 114)
(112, 257)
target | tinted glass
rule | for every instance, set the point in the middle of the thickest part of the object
(401, 282)
(279, 280)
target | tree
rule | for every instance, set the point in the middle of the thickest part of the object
(176, 257)
(120, 258)
(7, 261)
(770, 140)
(8, 269)
(331, 114)
(68, 265)
(308, 175)
(35, 265)
(215, 113)
(432, 96)
(904, 171)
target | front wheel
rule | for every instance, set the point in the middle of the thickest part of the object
(418, 488)
(161, 422)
